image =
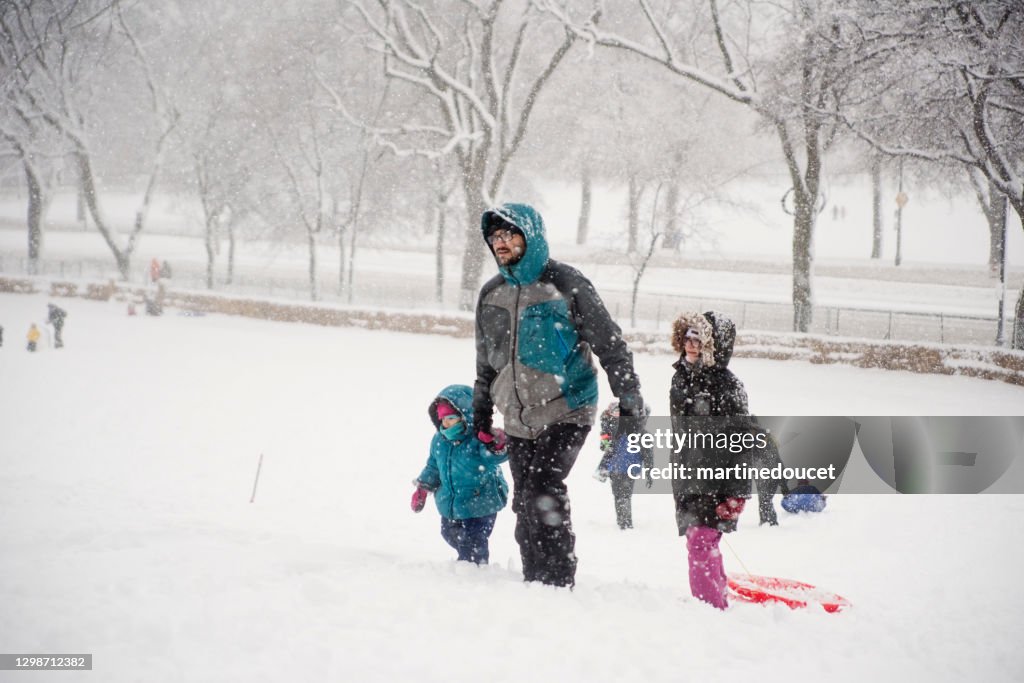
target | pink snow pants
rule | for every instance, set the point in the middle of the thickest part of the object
(707, 575)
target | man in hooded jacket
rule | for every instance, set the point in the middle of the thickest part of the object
(538, 322)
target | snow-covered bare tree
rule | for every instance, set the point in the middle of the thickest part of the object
(34, 65)
(783, 60)
(303, 149)
(334, 75)
(223, 167)
(640, 259)
(216, 147)
(38, 152)
(483, 64)
(953, 93)
(77, 50)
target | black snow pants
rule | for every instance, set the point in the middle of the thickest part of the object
(541, 502)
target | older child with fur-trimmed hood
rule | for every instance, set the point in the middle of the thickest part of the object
(703, 387)
(464, 474)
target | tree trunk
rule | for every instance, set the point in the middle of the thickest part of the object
(351, 270)
(635, 190)
(211, 250)
(80, 212)
(899, 217)
(1017, 342)
(35, 219)
(121, 258)
(805, 195)
(475, 251)
(342, 233)
(639, 272)
(231, 252)
(311, 239)
(124, 265)
(583, 225)
(995, 214)
(876, 208)
(803, 234)
(439, 275)
(673, 237)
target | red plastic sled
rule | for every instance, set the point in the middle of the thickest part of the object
(793, 594)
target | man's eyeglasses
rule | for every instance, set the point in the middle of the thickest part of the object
(501, 236)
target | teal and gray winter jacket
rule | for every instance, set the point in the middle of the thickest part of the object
(465, 477)
(537, 324)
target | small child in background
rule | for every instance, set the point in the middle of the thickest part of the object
(33, 337)
(464, 474)
(615, 464)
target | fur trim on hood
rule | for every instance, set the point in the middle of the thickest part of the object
(696, 321)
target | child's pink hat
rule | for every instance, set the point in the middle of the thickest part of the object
(444, 409)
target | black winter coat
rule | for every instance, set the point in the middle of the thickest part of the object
(708, 391)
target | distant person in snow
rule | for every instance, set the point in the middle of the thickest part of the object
(56, 318)
(165, 271)
(805, 497)
(154, 270)
(538, 322)
(704, 392)
(33, 337)
(616, 461)
(155, 304)
(464, 475)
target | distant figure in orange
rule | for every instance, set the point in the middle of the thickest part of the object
(154, 270)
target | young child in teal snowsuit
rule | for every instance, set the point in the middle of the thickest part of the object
(464, 475)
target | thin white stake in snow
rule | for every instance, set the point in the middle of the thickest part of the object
(259, 466)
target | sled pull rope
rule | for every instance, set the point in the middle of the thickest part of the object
(727, 545)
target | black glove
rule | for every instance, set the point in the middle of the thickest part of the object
(631, 405)
(632, 416)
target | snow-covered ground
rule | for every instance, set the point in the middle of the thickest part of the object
(127, 462)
